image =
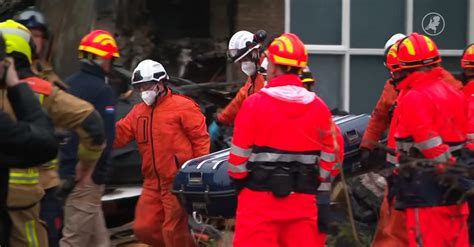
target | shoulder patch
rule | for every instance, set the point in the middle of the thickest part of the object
(39, 85)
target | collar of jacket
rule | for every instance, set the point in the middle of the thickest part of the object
(285, 80)
(160, 99)
(420, 77)
(92, 69)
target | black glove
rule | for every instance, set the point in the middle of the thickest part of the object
(239, 185)
(371, 160)
(66, 188)
(364, 156)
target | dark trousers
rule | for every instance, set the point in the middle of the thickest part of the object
(52, 213)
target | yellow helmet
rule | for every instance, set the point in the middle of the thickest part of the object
(17, 38)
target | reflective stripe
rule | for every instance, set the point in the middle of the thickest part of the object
(274, 157)
(31, 176)
(238, 168)
(429, 144)
(442, 157)
(404, 146)
(31, 235)
(87, 153)
(392, 159)
(324, 187)
(328, 157)
(456, 148)
(49, 167)
(470, 136)
(53, 164)
(324, 173)
(337, 166)
(240, 151)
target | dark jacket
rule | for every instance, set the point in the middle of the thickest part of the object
(29, 141)
(90, 84)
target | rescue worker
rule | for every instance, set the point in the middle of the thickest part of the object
(169, 130)
(307, 79)
(391, 230)
(467, 65)
(430, 123)
(84, 223)
(280, 134)
(51, 209)
(244, 48)
(31, 134)
(34, 20)
(67, 112)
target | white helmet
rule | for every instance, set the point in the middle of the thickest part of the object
(149, 70)
(241, 44)
(396, 37)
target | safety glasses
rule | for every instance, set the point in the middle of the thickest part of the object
(145, 86)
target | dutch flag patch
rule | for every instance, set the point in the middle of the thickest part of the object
(109, 109)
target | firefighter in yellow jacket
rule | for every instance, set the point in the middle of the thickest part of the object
(67, 112)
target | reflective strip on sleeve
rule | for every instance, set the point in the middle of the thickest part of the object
(442, 157)
(392, 159)
(328, 157)
(456, 148)
(88, 154)
(404, 146)
(470, 136)
(240, 151)
(30, 176)
(324, 173)
(337, 166)
(429, 144)
(275, 157)
(324, 186)
(238, 168)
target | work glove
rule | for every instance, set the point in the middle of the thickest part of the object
(326, 219)
(214, 131)
(364, 156)
(372, 160)
(239, 185)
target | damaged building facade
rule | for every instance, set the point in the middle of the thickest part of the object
(345, 39)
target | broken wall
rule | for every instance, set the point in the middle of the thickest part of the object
(68, 22)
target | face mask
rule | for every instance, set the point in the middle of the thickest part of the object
(249, 68)
(149, 96)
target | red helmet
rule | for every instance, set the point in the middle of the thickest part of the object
(288, 50)
(417, 51)
(391, 59)
(100, 43)
(467, 60)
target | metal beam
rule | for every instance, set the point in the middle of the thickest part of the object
(346, 67)
(287, 15)
(470, 22)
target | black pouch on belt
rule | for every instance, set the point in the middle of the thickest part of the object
(306, 181)
(281, 182)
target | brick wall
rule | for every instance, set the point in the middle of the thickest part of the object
(253, 15)
(263, 14)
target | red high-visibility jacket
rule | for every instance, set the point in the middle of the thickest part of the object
(432, 116)
(469, 94)
(283, 123)
(380, 118)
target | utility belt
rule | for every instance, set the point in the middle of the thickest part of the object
(283, 178)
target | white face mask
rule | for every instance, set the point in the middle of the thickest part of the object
(249, 68)
(149, 96)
